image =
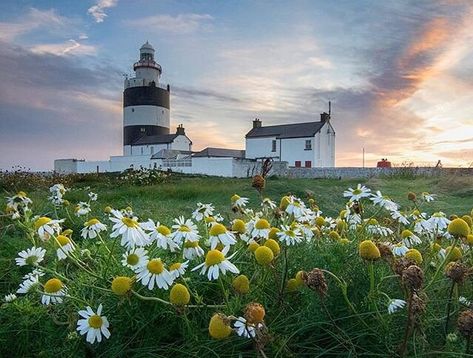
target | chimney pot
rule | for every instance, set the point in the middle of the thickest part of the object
(180, 130)
(257, 123)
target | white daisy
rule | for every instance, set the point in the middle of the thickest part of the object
(464, 301)
(395, 305)
(92, 324)
(135, 258)
(269, 203)
(185, 230)
(428, 197)
(154, 273)
(356, 194)
(54, 291)
(192, 250)
(36, 273)
(245, 329)
(82, 208)
(130, 230)
(47, 227)
(409, 239)
(438, 221)
(93, 196)
(379, 230)
(203, 211)
(178, 269)
(238, 201)
(92, 228)
(289, 235)
(402, 218)
(28, 284)
(20, 200)
(215, 262)
(399, 250)
(66, 246)
(295, 207)
(31, 256)
(10, 297)
(161, 235)
(383, 201)
(261, 228)
(219, 234)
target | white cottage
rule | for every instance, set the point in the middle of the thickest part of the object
(310, 144)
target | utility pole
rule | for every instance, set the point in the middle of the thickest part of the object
(363, 157)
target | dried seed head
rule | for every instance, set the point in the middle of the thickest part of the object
(413, 277)
(315, 280)
(258, 182)
(418, 305)
(385, 251)
(465, 323)
(456, 271)
(254, 313)
(400, 265)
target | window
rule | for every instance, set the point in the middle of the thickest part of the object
(141, 150)
(152, 150)
(132, 109)
(298, 164)
(308, 144)
(143, 129)
(308, 164)
(273, 149)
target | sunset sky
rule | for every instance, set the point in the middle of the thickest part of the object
(399, 74)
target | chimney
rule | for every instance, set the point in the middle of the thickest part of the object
(324, 117)
(257, 123)
(180, 130)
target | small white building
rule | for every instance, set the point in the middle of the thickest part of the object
(310, 144)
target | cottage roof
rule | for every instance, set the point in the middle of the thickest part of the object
(220, 152)
(156, 139)
(296, 130)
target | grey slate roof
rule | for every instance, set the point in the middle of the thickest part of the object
(156, 139)
(169, 154)
(296, 130)
(220, 152)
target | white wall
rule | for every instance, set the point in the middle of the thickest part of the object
(181, 142)
(293, 149)
(261, 148)
(147, 150)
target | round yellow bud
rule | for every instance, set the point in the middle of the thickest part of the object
(273, 233)
(179, 295)
(468, 220)
(264, 255)
(458, 228)
(320, 221)
(241, 284)
(108, 209)
(469, 239)
(334, 235)
(121, 285)
(239, 226)
(453, 254)
(414, 255)
(368, 250)
(299, 279)
(285, 200)
(411, 196)
(219, 327)
(292, 285)
(344, 241)
(274, 246)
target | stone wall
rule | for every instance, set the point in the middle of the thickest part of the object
(351, 172)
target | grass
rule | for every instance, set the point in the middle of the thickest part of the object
(300, 325)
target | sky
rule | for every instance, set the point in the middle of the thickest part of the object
(399, 74)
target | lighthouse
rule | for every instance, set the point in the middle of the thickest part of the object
(146, 104)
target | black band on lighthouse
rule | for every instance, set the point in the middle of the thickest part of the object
(132, 133)
(146, 96)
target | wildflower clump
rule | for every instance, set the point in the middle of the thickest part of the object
(368, 250)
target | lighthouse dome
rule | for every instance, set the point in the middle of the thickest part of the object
(147, 46)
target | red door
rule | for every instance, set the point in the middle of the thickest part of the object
(308, 164)
(298, 163)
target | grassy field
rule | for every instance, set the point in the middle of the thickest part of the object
(299, 324)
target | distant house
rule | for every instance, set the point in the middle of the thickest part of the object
(310, 144)
(149, 145)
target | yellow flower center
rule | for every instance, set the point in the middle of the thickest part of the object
(414, 255)
(320, 221)
(41, 221)
(184, 228)
(175, 266)
(130, 222)
(63, 240)
(191, 244)
(21, 194)
(214, 257)
(458, 228)
(155, 266)
(357, 191)
(31, 260)
(273, 245)
(67, 232)
(218, 328)
(95, 321)
(235, 197)
(132, 259)
(121, 285)
(163, 230)
(368, 250)
(241, 284)
(273, 233)
(262, 224)
(285, 200)
(217, 229)
(406, 233)
(53, 285)
(209, 220)
(239, 226)
(92, 222)
(264, 255)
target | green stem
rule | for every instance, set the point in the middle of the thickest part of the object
(442, 264)
(449, 306)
